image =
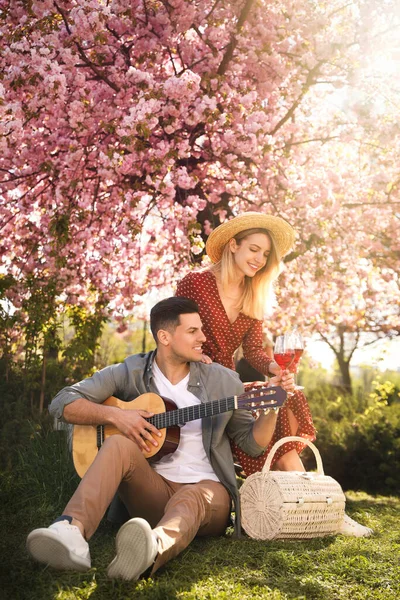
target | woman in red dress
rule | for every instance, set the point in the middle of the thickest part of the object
(231, 295)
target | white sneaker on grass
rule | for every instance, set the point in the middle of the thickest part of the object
(61, 546)
(137, 549)
(350, 527)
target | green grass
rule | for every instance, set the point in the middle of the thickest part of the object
(332, 568)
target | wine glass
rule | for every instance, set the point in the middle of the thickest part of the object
(297, 343)
(283, 351)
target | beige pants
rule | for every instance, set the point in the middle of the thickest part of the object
(177, 512)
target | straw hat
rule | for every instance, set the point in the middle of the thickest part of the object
(282, 233)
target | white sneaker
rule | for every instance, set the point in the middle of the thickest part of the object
(137, 549)
(350, 527)
(61, 546)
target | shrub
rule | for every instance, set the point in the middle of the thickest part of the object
(360, 448)
(43, 476)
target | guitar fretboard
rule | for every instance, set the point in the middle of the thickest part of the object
(180, 416)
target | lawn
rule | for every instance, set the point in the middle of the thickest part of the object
(332, 568)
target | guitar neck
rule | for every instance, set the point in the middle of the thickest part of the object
(180, 416)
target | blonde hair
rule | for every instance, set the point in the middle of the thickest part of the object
(258, 289)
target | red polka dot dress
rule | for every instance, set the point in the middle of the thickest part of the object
(223, 339)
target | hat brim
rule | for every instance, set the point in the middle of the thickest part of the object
(280, 230)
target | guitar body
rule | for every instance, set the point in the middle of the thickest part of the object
(88, 439)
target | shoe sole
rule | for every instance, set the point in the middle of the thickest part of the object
(356, 533)
(134, 546)
(46, 547)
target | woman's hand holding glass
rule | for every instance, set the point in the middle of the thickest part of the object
(284, 379)
(281, 376)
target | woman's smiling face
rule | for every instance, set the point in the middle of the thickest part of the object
(251, 253)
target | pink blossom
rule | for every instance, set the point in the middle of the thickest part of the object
(124, 141)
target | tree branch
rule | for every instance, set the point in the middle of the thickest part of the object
(212, 10)
(206, 42)
(89, 63)
(362, 204)
(95, 68)
(354, 346)
(323, 140)
(331, 346)
(233, 43)
(308, 83)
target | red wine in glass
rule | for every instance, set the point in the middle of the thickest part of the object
(283, 351)
(297, 356)
(285, 359)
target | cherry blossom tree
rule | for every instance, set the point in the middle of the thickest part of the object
(130, 128)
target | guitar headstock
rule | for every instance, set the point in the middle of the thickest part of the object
(262, 398)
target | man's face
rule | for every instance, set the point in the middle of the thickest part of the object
(186, 341)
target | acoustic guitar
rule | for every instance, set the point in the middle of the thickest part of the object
(168, 418)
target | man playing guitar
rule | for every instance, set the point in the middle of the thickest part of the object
(172, 498)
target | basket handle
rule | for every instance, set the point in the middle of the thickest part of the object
(293, 438)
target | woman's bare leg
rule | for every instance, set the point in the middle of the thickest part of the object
(290, 461)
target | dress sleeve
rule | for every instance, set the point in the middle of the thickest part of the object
(184, 288)
(253, 350)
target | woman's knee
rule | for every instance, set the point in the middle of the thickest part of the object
(293, 422)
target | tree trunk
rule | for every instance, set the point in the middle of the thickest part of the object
(144, 337)
(344, 367)
(42, 383)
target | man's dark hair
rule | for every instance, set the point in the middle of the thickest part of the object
(165, 314)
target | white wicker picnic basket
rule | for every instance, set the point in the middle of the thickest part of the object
(291, 504)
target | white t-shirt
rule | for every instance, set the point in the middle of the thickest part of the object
(189, 463)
